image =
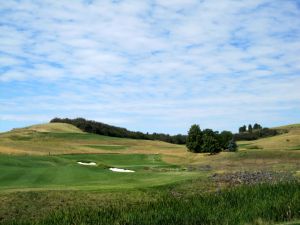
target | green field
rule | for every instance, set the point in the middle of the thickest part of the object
(63, 172)
(41, 181)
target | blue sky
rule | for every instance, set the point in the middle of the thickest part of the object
(156, 66)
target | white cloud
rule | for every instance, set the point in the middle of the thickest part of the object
(169, 60)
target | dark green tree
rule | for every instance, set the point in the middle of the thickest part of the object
(210, 144)
(250, 128)
(232, 146)
(224, 138)
(194, 139)
(242, 129)
(210, 132)
(256, 126)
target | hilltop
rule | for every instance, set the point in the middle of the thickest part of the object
(51, 127)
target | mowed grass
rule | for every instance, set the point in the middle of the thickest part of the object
(63, 172)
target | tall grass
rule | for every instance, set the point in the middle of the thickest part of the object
(260, 204)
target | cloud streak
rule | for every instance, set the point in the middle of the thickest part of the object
(151, 65)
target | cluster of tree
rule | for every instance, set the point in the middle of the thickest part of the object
(254, 132)
(209, 141)
(251, 128)
(91, 126)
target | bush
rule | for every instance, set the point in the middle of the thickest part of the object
(232, 146)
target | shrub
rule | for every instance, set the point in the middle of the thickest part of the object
(232, 146)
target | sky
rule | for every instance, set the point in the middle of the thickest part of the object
(151, 66)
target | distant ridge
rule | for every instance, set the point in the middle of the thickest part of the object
(95, 127)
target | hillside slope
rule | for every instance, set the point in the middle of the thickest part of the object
(280, 152)
(286, 141)
(55, 127)
(60, 138)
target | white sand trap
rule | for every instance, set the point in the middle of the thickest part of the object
(121, 170)
(87, 164)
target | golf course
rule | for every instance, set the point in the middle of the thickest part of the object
(157, 112)
(57, 174)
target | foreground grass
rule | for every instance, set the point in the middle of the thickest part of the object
(260, 204)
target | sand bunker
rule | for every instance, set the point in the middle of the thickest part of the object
(87, 164)
(121, 170)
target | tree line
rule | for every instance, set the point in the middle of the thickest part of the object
(91, 126)
(210, 141)
(254, 132)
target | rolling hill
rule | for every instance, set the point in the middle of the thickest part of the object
(42, 180)
(61, 138)
(58, 139)
(45, 156)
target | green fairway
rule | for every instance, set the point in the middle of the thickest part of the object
(63, 172)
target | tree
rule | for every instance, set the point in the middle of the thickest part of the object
(242, 129)
(179, 139)
(210, 144)
(256, 126)
(194, 139)
(232, 146)
(224, 138)
(250, 128)
(208, 132)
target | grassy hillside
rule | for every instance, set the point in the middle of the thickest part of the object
(41, 180)
(274, 153)
(58, 138)
(55, 127)
(286, 141)
(45, 157)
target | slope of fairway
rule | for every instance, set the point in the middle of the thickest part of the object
(63, 172)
